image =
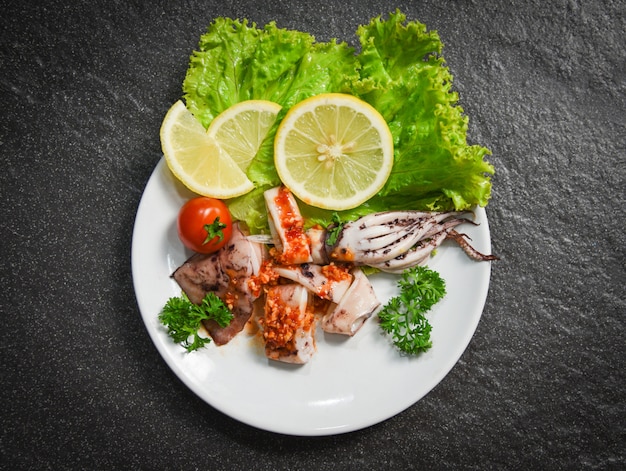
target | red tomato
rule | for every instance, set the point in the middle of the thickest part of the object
(204, 224)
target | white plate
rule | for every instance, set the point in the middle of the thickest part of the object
(350, 383)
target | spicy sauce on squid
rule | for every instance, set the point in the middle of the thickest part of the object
(296, 247)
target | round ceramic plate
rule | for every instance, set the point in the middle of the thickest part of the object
(350, 383)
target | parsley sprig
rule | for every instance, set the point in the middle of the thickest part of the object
(404, 315)
(183, 319)
(334, 229)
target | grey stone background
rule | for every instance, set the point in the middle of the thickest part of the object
(83, 89)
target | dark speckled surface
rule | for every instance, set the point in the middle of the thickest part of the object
(83, 89)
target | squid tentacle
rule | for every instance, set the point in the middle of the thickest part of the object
(462, 240)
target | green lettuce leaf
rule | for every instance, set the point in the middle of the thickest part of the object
(324, 67)
(404, 76)
(236, 61)
(216, 77)
(399, 70)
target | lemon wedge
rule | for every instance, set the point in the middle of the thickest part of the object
(333, 151)
(196, 159)
(240, 129)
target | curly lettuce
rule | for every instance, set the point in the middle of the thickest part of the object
(237, 61)
(399, 70)
(404, 77)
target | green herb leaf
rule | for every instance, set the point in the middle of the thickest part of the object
(334, 229)
(184, 318)
(404, 315)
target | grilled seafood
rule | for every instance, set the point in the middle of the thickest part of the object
(303, 275)
(356, 306)
(225, 273)
(328, 282)
(291, 245)
(392, 241)
(288, 324)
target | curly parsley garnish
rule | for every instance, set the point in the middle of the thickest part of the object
(404, 315)
(183, 319)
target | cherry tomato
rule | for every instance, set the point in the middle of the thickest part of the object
(204, 224)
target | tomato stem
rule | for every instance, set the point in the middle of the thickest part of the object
(214, 230)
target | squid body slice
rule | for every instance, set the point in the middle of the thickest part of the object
(288, 324)
(287, 227)
(356, 306)
(315, 280)
(224, 273)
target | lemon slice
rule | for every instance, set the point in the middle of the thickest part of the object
(333, 151)
(241, 129)
(196, 159)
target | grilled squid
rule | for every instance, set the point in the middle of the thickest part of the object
(356, 305)
(308, 276)
(291, 245)
(328, 282)
(288, 324)
(393, 241)
(224, 273)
